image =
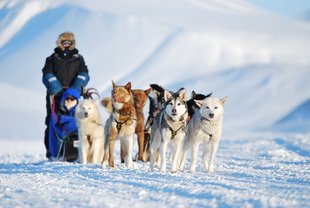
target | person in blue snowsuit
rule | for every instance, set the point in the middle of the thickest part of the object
(65, 68)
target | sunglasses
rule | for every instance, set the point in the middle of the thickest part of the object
(70, 98)
(66, 42)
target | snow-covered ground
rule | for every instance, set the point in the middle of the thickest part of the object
(259, 60)
(258, 170)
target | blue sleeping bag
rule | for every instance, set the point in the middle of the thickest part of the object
(62, 122)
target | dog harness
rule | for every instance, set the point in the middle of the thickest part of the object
(175, 132)
(203, 129)
(119, 124)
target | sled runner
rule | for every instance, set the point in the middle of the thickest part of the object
(63, 131)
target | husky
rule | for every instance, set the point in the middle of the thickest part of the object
(191, 104)
(121, 124)
(204, 128)
(90, 132)
(140, 98)
(157, 103)
(169, 128)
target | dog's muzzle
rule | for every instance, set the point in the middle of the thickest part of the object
(174, 112)
(85, 114)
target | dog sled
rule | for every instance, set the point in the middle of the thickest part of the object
(63, 131)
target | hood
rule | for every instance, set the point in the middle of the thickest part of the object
(66, 36)
(69, 92)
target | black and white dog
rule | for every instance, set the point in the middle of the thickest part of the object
(157, 103)
(169, 128)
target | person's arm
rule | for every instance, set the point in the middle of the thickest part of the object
(49, 79)
(82, 78)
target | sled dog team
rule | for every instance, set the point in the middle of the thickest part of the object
(173, 122)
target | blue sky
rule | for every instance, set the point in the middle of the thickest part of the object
(289, 8)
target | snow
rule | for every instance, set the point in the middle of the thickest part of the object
(259, 170)
(231, 48)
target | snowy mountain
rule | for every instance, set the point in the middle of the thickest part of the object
(228, 48)
(259, 60)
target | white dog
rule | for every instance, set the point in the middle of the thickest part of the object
(90, 131)
(204, 128)
(169, 128)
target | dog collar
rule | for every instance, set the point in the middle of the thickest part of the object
(119, 124)
(123, 114)
(203, 129)
(174, 132)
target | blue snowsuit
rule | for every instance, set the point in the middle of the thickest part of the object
(62, 121)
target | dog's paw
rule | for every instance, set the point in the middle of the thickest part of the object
(192, 170)
(211, 169)
(111, 164)
(173, 171)
(163, 170)
(104, 164)
(130, 165)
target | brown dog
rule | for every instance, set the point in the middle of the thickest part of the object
(121, 124)
(140, 98)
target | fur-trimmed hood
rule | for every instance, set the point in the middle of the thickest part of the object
(66, 36)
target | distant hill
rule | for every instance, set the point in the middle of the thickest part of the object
(230, 48)
(297, 120)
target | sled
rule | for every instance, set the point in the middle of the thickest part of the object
(63, 131)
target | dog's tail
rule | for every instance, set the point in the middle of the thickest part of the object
(107, 103)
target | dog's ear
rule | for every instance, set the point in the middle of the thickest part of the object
(167, 95)
(157, 87)
(156, 94)
(128, 86)
(182, 93)
(223, 100)
(113, 84)
(209, 95)
(193, 95)
(147, 92)
(198, 102)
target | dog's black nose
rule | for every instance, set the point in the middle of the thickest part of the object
(174, 111)
(211, 115)
(85, 114)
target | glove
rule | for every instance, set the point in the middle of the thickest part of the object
(52, 84)
(80, 81)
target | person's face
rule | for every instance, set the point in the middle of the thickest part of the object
(66, 43)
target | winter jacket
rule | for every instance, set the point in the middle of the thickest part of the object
(64, 69)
